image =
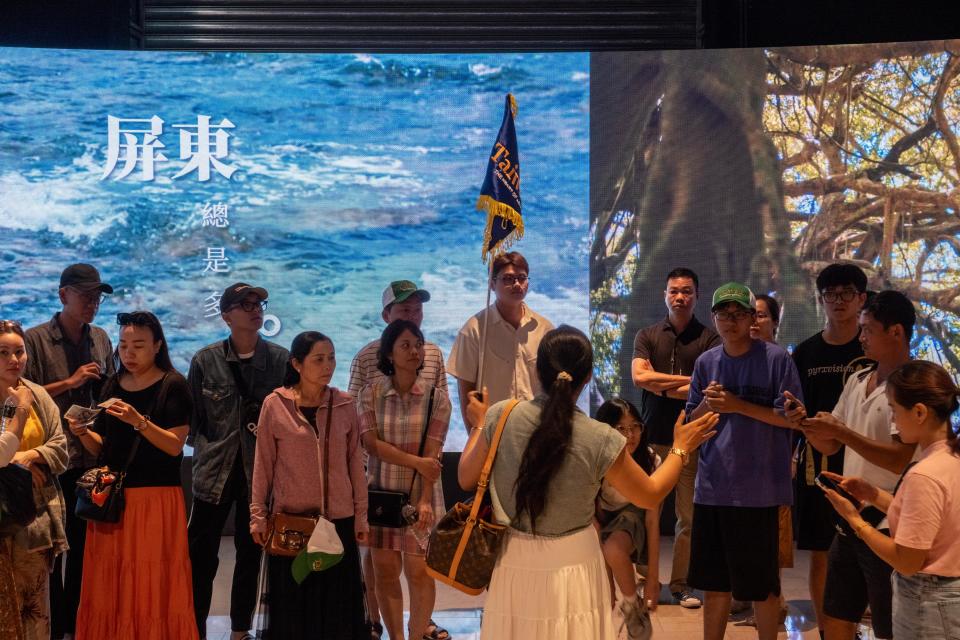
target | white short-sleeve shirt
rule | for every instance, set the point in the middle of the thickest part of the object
(510, 356)
(870, 416)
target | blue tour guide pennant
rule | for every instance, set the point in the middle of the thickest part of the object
(500, 193)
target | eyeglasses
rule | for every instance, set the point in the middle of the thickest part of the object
(628, 430)
(726, 316)
(845, 294)
(248, 305)
(136, 318)
(511, 279)
(90, 297)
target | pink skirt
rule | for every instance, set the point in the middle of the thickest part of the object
(136, 573)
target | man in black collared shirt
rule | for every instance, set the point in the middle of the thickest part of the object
(663, 357)
(70, 357)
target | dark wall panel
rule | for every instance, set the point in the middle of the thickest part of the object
(424, 25)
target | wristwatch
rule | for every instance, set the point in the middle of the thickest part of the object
(680, 452)
(140, 426)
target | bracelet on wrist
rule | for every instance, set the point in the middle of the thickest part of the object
(680, 452)
(858, 531)
(142, 424)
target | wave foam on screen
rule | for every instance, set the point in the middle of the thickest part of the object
(352, 171)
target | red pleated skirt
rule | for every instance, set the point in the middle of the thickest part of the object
(136, 573)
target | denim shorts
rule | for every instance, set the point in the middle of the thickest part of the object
(926, 607)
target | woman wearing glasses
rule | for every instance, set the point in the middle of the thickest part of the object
(630, 532)
(136, 572)
(35, 440)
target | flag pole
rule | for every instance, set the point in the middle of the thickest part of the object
(483, 332)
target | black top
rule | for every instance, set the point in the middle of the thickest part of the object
(150, 467)
(310, 413)
(824, 368)
(671, 353)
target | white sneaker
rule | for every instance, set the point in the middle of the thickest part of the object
(686, 599)
(636, 619)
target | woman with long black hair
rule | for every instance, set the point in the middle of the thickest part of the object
(136, 572)
(548, 469)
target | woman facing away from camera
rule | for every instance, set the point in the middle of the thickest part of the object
(923, 511)
(34, 439)
(396, 414)
(304, 425)
(136, 572)
(545, 479)
(629, 533)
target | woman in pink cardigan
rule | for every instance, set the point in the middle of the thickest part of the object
(288, 478)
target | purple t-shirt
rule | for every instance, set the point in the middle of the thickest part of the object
(747, 464)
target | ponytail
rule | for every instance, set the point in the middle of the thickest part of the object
(564, 364)
(929, 384)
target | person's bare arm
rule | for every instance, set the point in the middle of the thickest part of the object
(83, 374)
(644, 377)
(892, 456)
(464, 387)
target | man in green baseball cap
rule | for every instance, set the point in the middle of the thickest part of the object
(734, 292)
(743, 475)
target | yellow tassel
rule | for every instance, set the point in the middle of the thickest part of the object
(494, 210)
(514, 109)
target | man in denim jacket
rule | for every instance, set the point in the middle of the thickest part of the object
(229, 380)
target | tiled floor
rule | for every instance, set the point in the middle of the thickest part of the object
(461, 614)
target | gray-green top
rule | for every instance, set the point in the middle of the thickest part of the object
(570, 500)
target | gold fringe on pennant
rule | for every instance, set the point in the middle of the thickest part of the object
(514, 109)
(497, 209)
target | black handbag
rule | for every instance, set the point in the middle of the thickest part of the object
(392, 509)
(100, 490)
(17, 508)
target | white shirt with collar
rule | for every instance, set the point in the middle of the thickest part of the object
(510, 356)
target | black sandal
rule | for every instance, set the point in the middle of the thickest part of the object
(436, 633)
(376, 630)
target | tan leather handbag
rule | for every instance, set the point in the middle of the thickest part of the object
(464, 546)
(289, 533)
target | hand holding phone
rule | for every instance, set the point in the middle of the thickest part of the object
(825, 482)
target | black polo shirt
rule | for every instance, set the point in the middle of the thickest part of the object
(671, 353)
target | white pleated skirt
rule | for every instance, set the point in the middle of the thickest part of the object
(552, 588)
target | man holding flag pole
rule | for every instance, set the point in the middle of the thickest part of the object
(499, 344)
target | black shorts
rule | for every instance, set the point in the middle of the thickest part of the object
(816, 517)
(857, 577)
(734, 549)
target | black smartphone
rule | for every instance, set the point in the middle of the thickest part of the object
(826, 482)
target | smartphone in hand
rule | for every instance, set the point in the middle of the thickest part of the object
(825, 482)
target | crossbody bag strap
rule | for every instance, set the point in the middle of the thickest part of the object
(423, 437)
(491, 455)
(326, 453)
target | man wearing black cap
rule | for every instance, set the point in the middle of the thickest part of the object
(70, 358)
(229, 380)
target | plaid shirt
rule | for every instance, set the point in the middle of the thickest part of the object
(399, 421)
(363, 369)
